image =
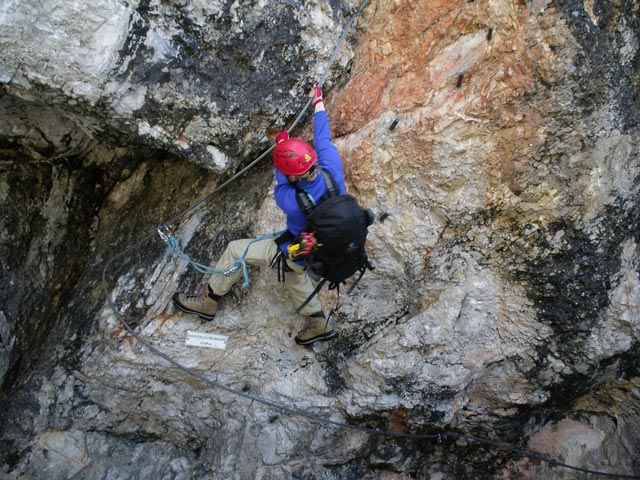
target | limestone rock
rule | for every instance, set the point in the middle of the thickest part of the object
(583, 438)
(505, 299)
(191, 78)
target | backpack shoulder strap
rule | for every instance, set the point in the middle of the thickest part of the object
(305, 201)
(330, 183)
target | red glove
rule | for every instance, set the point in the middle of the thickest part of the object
(282, 136)
(317, 93)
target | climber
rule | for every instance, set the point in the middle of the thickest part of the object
(296, 167)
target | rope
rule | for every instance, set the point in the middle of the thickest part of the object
(174, 249)
(278, 406)
(166, 233)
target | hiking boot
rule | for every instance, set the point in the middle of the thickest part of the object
(315, 329)
(202, 304)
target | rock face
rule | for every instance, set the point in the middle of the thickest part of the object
(496, 141)
(204, 80)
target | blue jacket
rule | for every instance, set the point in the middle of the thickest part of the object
(329, 159)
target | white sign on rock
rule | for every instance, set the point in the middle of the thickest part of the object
(208, 340)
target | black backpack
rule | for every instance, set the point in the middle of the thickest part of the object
(340, 228)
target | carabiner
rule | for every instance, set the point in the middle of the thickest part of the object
(166, 232)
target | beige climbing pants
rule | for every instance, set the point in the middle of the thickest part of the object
(261, 253)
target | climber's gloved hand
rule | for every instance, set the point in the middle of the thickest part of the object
(316, 94)
(282, 136)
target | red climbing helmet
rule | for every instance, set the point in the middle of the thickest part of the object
(293, 156)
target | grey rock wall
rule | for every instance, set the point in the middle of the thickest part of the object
(204, 80)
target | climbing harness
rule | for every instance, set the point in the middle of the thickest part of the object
(167, 234)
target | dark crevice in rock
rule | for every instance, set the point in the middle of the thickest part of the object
(85, 231)
(570, 284)
(604, 60)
